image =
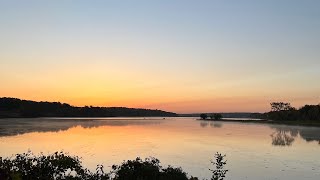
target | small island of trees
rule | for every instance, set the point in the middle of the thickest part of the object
(215, 116)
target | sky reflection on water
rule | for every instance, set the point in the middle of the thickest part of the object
(254, 151)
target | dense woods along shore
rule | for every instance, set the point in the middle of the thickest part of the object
(17, 108)
(281, 113)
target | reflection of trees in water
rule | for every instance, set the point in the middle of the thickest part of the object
(285, 135)
(212, 124)
(282, 138)
(216, 125)
(204, 124)
(311, 135)
(12, 127)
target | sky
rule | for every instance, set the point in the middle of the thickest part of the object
(183, 56)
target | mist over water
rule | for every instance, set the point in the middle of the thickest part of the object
(254, 151)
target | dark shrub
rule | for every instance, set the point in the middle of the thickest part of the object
(55, 166)
(149, 169)
(219, 173)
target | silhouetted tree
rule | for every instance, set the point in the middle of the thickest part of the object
(203, 116)
(280, 106)
(219, 173)
(217, 116)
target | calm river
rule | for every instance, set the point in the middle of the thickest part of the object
(254, 151)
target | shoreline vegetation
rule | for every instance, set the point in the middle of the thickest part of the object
(60, 165)
(17, 108)
(281, 113)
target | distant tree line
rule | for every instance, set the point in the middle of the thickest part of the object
(225, 115)
(281, 111)
(13, 107)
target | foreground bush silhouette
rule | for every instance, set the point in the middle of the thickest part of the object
(219, 173)
(148, 169)
(58, 166)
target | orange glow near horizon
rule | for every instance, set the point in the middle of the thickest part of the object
(227, 104)
(121, 57)
(98, 86)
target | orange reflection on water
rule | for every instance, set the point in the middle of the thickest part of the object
(181, 142)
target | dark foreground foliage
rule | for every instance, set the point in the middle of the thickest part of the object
(219, 173)
(55, 166)
(148, 169)
(60, 166)
(13, 107)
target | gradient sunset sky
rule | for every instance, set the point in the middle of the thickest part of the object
(181, 56)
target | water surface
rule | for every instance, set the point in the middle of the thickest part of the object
(254, 151)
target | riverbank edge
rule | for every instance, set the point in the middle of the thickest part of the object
(266, 121)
